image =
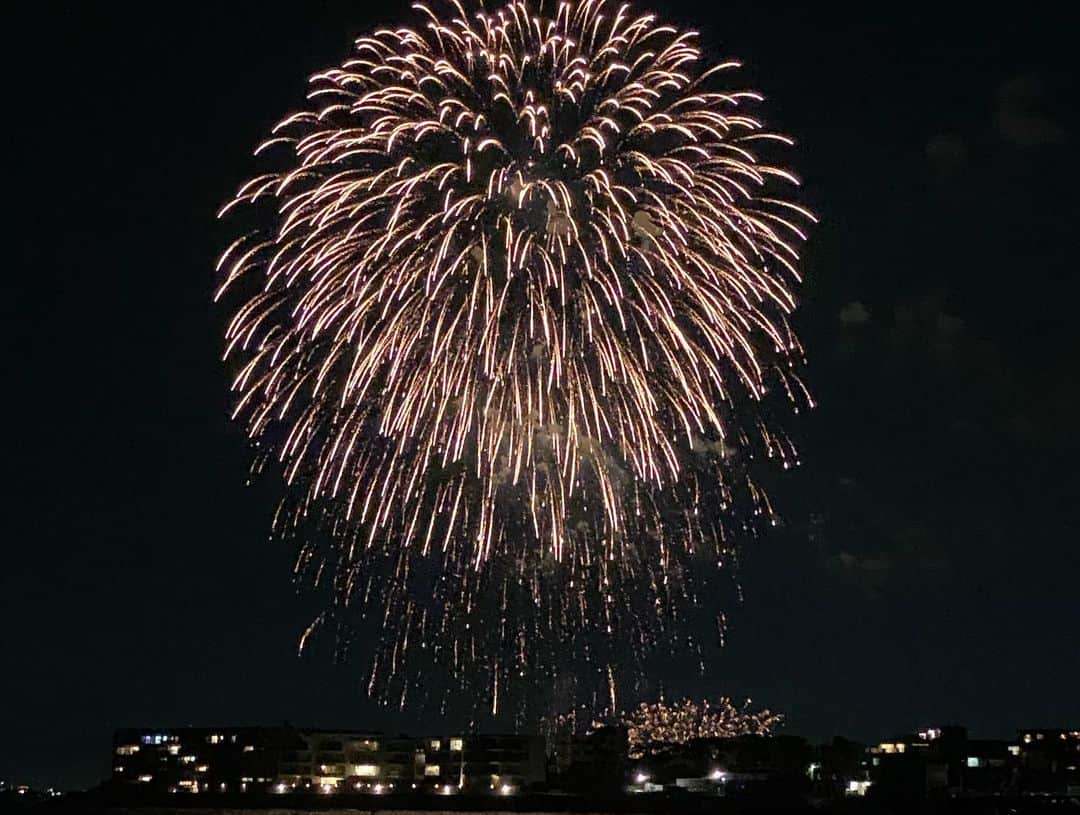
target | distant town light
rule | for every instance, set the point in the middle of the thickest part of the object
(719, 775)
(506, 789)
(641, 778)
(857, 787)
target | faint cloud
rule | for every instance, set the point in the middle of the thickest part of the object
(1024, 427)
(947, 150)
(1048, 412)
(870, 542)
(854, 313)
(1020, 117)
(947, 338)
(872, 565)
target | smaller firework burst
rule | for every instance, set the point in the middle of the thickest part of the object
(654, 727)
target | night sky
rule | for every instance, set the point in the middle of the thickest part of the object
(928, 568)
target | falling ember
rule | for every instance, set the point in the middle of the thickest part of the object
(524, 287)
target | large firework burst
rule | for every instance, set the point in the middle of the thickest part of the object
(526, 285)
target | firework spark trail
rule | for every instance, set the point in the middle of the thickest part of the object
(526, 286)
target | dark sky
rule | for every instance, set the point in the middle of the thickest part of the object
(929, 568)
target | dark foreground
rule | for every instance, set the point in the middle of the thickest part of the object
(658, 804)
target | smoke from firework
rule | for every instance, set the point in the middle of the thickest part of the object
(522, 287)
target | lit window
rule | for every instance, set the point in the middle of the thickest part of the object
(249, 748)
(127, 749)
(146, 779)
(457, 745)
(435, 744)
(187, 759)
(202, 768)
(215, 738)
(1014, 749)
(366, 770)
(431, 769)
(857, 787)
(973, 761)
